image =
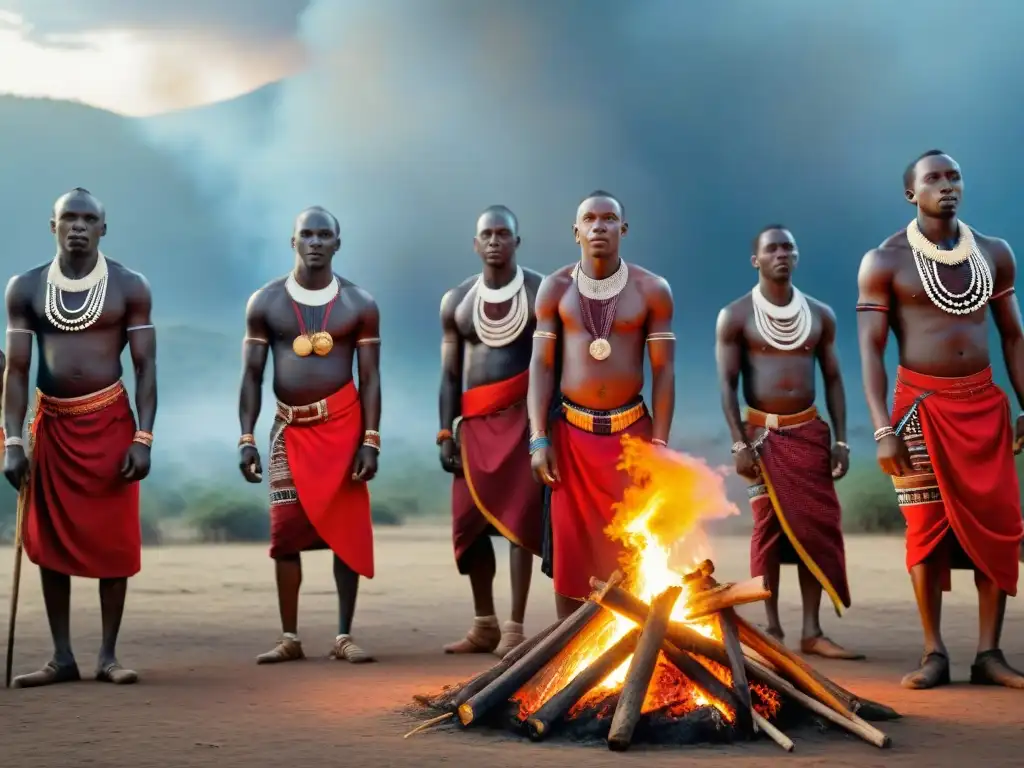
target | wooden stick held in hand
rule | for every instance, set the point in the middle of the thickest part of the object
(16, 578)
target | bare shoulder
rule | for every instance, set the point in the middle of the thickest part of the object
(820, 308)
(453, 296)
(886, 258)
(733, 316)
(997, 248)
(360, 297)
(262, 296)
(554, 285)
(21, 289)
(649, 283)
(134, 284)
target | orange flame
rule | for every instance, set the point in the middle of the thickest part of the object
(659, 523)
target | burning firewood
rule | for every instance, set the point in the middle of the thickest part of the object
(638, 678)
(557, 707)
(604, 660)
(512, 679)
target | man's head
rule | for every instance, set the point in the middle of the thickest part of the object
(934, 184)
(316, 238)
(78, 222)
(600, 224)
(497, 236)
(774, 253)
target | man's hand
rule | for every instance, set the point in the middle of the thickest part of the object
(545, 470)
(135, 466)
(893, 457)
(250, 464)
(840, 461)
(746, 463)
(365, 466)
(1018, 436)
(15, 466)
(451, 461)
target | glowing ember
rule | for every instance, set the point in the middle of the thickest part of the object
(660, 523)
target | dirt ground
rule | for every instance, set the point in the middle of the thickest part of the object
(197, 617)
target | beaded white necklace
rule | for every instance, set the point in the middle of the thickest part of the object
(311, 297)
(504, 330)
(928, 256)
(93, 284)
(604, 289)
(785, 328)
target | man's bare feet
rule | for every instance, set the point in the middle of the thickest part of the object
(346, 650)
(112, 672)
(479, 639)
(991, 668)
(827, 649)
(933, 672)
(48, 675)
(286, 650)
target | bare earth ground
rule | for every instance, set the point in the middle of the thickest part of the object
(197, 617)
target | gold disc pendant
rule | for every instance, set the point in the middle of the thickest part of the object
(323, 343)
(302, 346)
(600, 349)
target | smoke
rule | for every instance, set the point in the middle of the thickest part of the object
(707, 118)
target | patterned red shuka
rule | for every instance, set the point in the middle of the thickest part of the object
(797, 517)
(964, 489)
(497, 490)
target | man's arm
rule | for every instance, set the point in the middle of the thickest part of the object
(729, 358)
(1006, 313)
(255, 350)
(661, 350)
(874, 283)
(828, 360)
(142, 347)
(449, 401)
(20, 335)
(368, 356)
(545, 344)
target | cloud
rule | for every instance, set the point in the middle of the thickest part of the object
(248, 20)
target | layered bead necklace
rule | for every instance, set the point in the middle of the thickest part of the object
(928, 257)
(94, 285)
(604, 294)
(506, 329)
(785, 328)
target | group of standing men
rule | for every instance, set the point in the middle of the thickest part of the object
(541, 378)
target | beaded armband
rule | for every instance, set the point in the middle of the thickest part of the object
(369, 340)
(661, 336)
(544, 335)
(868, 307)
(1003, 293)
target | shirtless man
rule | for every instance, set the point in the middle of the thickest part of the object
(948, 442)
(772, 337)
(325, 440)
(86, 455)
(487, 323)
(604, 312)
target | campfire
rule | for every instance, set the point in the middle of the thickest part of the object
(652, 654)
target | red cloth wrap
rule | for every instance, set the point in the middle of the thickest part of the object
(797, 519)
(581, 504)
(332, 508)
(968, 435)
(82, 518)
(497, 489)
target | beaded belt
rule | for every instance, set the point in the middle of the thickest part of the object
(758, 418)
(79, 406)
(303, 415)
(604, 422)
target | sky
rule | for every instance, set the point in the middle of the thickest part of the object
(144, 57)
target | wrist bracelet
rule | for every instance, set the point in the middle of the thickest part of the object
(883, 432)
(739, 446)
(538, 443)
(143, 438)
(14, 442)
(443, 435)
(842, 444)
(659, 441)
(371, 438)
(247, 439)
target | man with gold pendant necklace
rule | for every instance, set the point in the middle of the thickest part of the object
(949, 441)
(605, 312)
(325, 438)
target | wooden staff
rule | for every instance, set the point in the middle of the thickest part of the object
(641, 668)
(16, 579)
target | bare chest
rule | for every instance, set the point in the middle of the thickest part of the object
(102, 308)
(287, 319)
(919, 283)
(757, 339)
(629, 316)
